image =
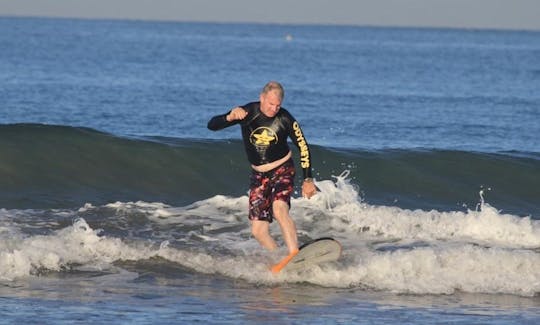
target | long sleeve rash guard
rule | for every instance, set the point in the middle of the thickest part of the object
(265, 138)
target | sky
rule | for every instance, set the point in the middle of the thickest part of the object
(491, 14)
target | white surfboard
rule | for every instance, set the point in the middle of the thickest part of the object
(319, 251)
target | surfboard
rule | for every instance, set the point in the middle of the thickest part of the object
(322, 250)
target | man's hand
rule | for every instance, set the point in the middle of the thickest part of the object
(308, 188)
(237, 113)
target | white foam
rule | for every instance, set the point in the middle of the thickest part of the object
(75, 245)
(342, 209)
(385, 248)
(428, 270)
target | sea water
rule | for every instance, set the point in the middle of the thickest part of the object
(118, 205)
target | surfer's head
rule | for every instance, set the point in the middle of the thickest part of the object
(271, 97)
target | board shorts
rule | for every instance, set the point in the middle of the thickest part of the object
(267, 187)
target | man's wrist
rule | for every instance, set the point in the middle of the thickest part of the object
(308, 180)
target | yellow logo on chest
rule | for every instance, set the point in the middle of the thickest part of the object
(263, 137)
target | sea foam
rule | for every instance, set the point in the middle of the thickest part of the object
(384, 247)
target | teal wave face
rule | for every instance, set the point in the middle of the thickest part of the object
(446, 180)
(60, 166)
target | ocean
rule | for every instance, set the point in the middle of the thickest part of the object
(118, 205)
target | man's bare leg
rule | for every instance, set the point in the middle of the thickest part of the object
(288, 228)
(261, 232)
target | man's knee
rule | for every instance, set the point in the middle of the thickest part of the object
(280, 210)
(256, 232)
(259, 229)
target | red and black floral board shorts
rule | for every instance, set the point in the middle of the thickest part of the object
(265, 188)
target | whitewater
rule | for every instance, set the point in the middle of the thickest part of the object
(385, 248)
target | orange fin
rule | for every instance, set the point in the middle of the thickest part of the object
(279, 266)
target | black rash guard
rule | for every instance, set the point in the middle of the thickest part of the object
(265, 138)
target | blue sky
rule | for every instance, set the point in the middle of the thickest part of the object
(503, 14)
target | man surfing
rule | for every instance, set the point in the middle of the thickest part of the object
(266, 126)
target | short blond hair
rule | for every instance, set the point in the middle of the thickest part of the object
(274, 86)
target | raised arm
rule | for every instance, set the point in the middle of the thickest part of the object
(222, 121)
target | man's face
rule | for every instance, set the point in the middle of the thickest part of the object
(270, 103)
